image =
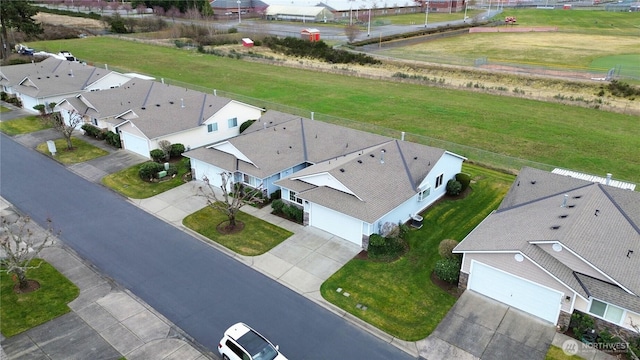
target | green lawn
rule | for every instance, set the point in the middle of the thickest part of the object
(4, 109)
(582, 139)
(82, 151)
(20, 312)
(400, 296)
(23, 126)
(590, 22)
(128, 183)
(556, 353)
(257, 237)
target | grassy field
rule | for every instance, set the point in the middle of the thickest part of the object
(24, 125)
(400, 297)
(572, 137)
(128, 183)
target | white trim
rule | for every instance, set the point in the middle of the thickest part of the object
(622, 317)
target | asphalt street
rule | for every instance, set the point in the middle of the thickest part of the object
(195, 286)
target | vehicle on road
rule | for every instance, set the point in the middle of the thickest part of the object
(241, 342)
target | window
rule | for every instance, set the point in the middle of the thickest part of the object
(606, 311)
(212, 127)
(250, 180)
(439, 180)
(236, 350)
(294, 198)
(233, 122)
(423, 194)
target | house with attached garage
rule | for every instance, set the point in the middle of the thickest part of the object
(558, 244)
(51, 80)
(348, 182)
(144, 112)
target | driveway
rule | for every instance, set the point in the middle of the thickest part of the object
(480, 328)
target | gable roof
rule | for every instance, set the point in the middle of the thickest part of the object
(599, 223)
(378, 178)
(155, 108)
(50, 77)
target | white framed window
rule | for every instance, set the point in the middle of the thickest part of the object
(233, 122)
(294, 198)
(439, 180)
(606, 311)
(423, 194)
(250, 180)
(212, 127)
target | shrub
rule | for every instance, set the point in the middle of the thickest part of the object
(176, 150)
(157, 155)
(91, 130)
(277, 206)
(245, 125)
(384, 248)
(113, 139)
(40, 108)
(464, 179)
(454, 187)
(149, 170)
(173, 170)
(580, 323)
(276, 195)
(293, 213)
(448, 270)
(445, 248)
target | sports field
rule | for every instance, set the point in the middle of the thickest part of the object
(572, 137)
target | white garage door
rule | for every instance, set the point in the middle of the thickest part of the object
(202, 170)
(335, 223)
(522, 294)
(136, 144)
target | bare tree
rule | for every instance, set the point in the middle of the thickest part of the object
(20, 244)
(172, 13)
(352, 32)
(626, 339)
(228, 203)
(141, 9)
(65, 128)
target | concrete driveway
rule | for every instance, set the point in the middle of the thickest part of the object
(480, 328)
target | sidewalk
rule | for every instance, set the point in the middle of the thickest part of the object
(105, 322)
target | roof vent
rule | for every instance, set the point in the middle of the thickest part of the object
(181, 102)
(564, 200)
(341, 170)
(577, 196)
(571, 206)
(372, 155)
(359, 161)
(171, 102)
(143, 108)
(608, 181)
(555, 227)
(597, 212)
(563, 216)
(382, 156)
(158, 105)
(629, 253)
(533, 182)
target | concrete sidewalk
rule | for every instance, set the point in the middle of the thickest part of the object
(105, 322)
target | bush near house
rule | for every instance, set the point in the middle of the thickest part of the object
(454, 187)
(445, 248)
(464, 179)
(288, 211)
(157, 155)
(149, 170)
(113, 139)
(385, 248)
(93, 131)
(176, 150)
(448, 270)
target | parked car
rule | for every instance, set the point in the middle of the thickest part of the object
(241, 342)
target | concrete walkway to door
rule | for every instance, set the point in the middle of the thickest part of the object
(478, 327)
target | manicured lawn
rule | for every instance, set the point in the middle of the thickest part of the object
(23, 125)
(256, 238)
(564, 136)
(82, 151)
(556, 353)
(418, 18)
(128, 183)
(4, 109)
(20, 312)
(585, 21)
(400, 296)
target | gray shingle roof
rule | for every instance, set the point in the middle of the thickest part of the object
(600, 223)
(50, 77)
(609, 293)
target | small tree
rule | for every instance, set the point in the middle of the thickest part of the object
(229, 204)
(351, 31)
(454, 187)
(64, 128)
(20, 244)
(165, 146)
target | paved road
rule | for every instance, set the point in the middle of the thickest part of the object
(196, 287)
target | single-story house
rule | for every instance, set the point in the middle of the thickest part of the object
(558, 244)
(51, 80)
(348, 182)
(145, 112)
